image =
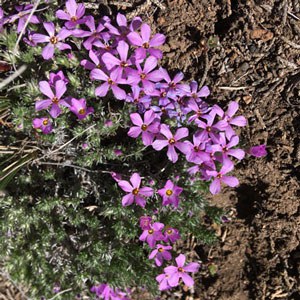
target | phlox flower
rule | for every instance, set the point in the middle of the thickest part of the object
(73, 15)
(145, 222)
(219, 177)
(102, 290)
(180, 271)
(23, 14)
(111, 82)
(136, 193)
(78, 107)
(171, 235)
(200, 108)
(160, 254)
(122, 63)
(148, 127)
(43, 124)
(170, 193)
(53, 77)
(54, 99)
(196, 95)
(152, 235)
(225, 148)
(258, 151)
(53, 40)
(146, 75)
(172, 141)
(145, 43)
(162, 279)
(196, 153)
(96, 62)
(138, 96)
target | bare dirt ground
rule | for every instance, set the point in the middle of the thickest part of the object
(248, 51)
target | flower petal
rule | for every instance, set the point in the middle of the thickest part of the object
(46, 89)
(48, 51)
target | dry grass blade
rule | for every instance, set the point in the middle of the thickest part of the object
(9, 79)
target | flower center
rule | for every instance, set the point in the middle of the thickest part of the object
(146, 45)
(107, 47)
(143, 76)
(124, 64)
(172, 141)
(53, 40)
(169, 192)
(225, 149)
(194, 95)
(199, 113)
(219, 176)
(208, 129)
(169, 231)
(81, 111)
(161, 250)
(150, 231)
(172, 85)
(144, 127)
(135, 191)
(45, 122)
(55, 100)
(110, 81)
(163, 94)
(180, 270)
(74, 19)
(196, 148)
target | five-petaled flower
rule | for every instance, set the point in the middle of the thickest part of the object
(160, 254)
(78, 107)
(136, 194)
(152, 235)
(170, 193)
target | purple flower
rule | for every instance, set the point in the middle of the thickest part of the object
(194, 94)
(200, 109)
(160, 254)
(110, 82)
(54, 41)
(196, 152)
(138, 96)
(54, 98)
(162, 279)
(28, 40)
(180, 271)
(102, 290)
(58, 76)
(149, 127)
(171, 141)
(172, 235)
(73, 15)
(23, 14)
(225, 147)
(170, 193)
(258, 151)
(219, 177)
(136, 193)
(43, 124)
(122, 63)
(145, 222)
(152, 235)
(145, 75)
(146, 43)
(78, 107)
(96, 63)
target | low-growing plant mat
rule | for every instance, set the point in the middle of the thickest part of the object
(248, 51)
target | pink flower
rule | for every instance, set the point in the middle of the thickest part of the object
(145, 222)
(258, 151)
(162, 279)
(53, 40)
(43, 124)
(180, 271)
(54, 99)
(171, 234)
(219, 177)
(149, 127)
(73, 15)
(146, 43)
(160, 254)
(170, 193)
(136, 193)
(79, 108)
(172, 142)
(152, 235)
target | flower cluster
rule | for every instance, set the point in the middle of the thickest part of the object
(104, 291)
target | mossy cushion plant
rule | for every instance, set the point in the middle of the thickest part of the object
(107, 157)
